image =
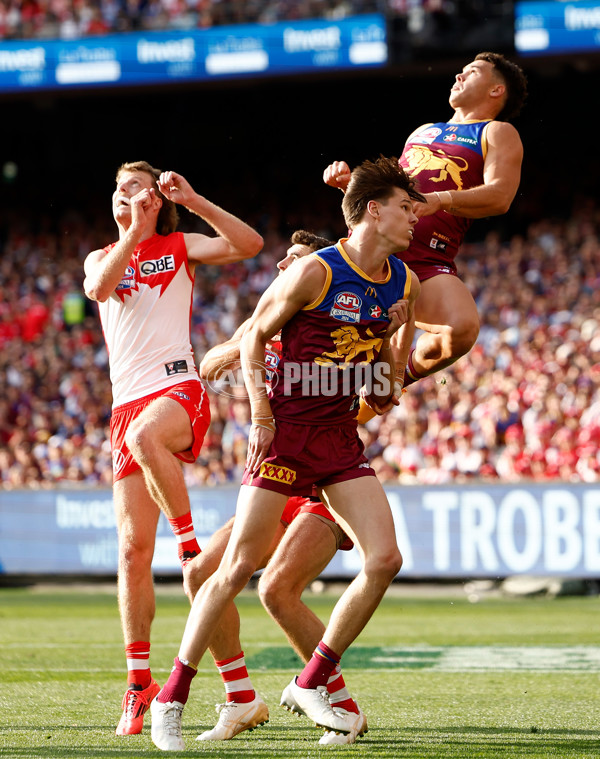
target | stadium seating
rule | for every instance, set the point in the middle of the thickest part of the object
(523, 405)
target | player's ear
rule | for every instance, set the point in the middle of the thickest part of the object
(498, 90)
(373, 208)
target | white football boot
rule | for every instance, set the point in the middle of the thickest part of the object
(234, 718)
(166, 725)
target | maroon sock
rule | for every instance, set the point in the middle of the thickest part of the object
(318, 670)
(177, 687)
(410, 373)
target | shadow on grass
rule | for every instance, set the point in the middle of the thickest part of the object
(456, 742)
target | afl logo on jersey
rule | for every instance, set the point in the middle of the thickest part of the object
(271, 364)
(271, 359)
(427, 136)
(128, 280)
(346, 307)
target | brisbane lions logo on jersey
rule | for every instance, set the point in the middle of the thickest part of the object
(350, 344)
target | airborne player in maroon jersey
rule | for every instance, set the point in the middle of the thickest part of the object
(468, 168)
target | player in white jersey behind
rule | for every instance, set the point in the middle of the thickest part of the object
(143, 284)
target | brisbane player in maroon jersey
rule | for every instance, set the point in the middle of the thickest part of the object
(467, 168)
(306, 540)
(337, 310)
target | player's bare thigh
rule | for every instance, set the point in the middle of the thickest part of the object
(362, 510)
(256, 524)
(201, 567)
(166, 422)
(445, 301)
(305, 550)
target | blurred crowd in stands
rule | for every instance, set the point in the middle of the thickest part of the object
(523, 405)
(68, 19)
(72, 19)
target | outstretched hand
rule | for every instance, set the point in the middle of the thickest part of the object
(175, 187)
(337, 174)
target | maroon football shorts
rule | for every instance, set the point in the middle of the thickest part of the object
(302, 456)
(194, 399)
(427, 269)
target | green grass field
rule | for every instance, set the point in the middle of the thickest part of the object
(436, 675)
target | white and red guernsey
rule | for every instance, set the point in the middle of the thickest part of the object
(145, 323)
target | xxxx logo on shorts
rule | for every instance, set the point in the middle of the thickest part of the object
(277, 473)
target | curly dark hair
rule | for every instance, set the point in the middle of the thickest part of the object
(168, 217)
(514, 79)
(311, 240)
(375, 180)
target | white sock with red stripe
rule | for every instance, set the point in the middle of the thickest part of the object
(238, 686)
(338, 693)
(187, 545)
(138, 663)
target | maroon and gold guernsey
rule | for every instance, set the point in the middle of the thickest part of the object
(329, 348)
(442, 156)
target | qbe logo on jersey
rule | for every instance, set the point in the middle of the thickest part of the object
(346, 307)
(158, 266)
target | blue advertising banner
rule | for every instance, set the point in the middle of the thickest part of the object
(557, 27)
(195, 54)
(461, 532)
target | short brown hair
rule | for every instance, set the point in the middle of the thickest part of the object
(375, 180)
(514, 79)
(311, 240)
(168, 217)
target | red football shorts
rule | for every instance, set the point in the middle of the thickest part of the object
(194, 399)
(297, 505)
(302, 456)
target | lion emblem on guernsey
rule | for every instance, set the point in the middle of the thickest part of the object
(423, 159)
(348, 345)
